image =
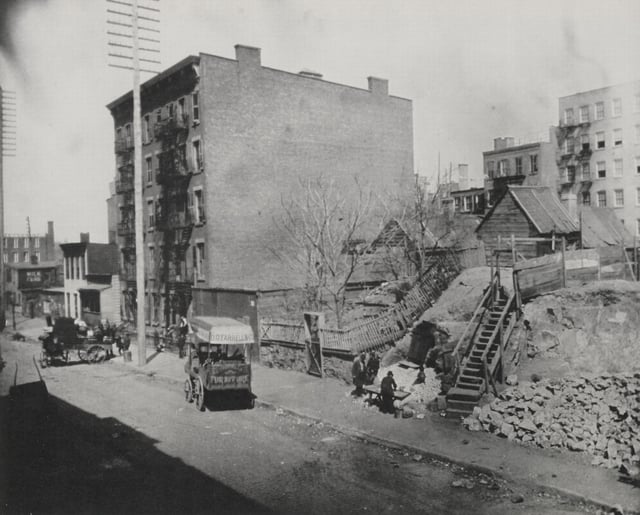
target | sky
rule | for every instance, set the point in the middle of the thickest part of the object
(474, 71)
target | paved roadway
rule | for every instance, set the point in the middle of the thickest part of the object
(120, 442)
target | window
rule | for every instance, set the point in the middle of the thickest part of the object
(568, 116)
(456, 201)
(170, 109)
(151, 214)
(599, 111)
(503, 168)
(25, 243)
(198, 206)
(198, 258)
(584, 142)
(491, 169)
(152, 260)
(602, 169)
(617, 137)
(618, 198)
(599, 139)
(518, 165)
(5, 256)
(119, 134)
(586, 172)
(36, 243)
(466, 203)
(149, 168)
(159, 116)
(617, 167)
(16, 258)
(37, 255)
(602, 199)
(569, 145)
(586, 198)
(569, 174)
(25, 257)
(16, 243)
(584, 114)
(195, 107)
(129, 140)
(616, 107)
(180, 112)
(197, 155)
(146, 129)
(533, 162)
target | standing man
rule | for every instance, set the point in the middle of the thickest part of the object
(387, 388)
(183, 331)
(357, 372)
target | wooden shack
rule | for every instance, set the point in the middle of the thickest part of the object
(527, 212)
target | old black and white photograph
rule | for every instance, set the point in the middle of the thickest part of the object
(319, 257)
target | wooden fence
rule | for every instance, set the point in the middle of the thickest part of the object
(381, 330)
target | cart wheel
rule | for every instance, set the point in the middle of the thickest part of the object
(82, 355)
(199, 394)
(96, 354)
(188, 390)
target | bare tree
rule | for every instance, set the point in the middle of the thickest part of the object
(416, 228)
(326, 227)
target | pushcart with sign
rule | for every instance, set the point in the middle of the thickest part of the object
(219, 359)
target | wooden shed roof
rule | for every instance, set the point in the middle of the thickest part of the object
(602, 227)
(542, 207)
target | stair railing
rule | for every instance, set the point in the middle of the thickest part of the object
(483, 305)
(497, 330)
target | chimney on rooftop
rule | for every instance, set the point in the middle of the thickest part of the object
(84, 237)
(502, 143)
(378, 86)
(247, 56)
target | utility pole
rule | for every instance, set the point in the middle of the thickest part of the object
(129, 50)
(7, 149)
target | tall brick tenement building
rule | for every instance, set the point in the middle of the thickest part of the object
(224, 140)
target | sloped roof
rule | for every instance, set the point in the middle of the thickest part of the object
(601, 227)
(543, 208)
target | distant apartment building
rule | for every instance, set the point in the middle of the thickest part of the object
(598, 152)
(224, 142)
(25, 248)
(511, 163)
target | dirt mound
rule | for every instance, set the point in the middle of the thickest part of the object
(591, 329)
(453, 310)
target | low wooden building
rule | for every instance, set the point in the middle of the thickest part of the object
(527, 212)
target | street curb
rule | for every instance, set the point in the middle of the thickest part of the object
(387, 442)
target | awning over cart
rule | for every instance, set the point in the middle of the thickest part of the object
(222, 331)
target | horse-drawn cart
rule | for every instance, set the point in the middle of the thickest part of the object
(219, 360)
(65, 336)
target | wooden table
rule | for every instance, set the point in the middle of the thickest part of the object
(374, 390)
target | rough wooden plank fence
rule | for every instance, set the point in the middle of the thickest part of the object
(387, 327)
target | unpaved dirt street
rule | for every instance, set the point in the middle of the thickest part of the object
(118, 442)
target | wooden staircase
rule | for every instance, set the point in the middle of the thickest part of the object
(480, 361)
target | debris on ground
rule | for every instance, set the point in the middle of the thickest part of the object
(599, 415)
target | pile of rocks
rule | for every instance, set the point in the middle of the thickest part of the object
(599, 415)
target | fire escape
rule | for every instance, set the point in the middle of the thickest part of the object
(126, 226)
(173, 217)
(575, 150)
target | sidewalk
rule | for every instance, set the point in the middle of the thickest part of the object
(329, 400)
